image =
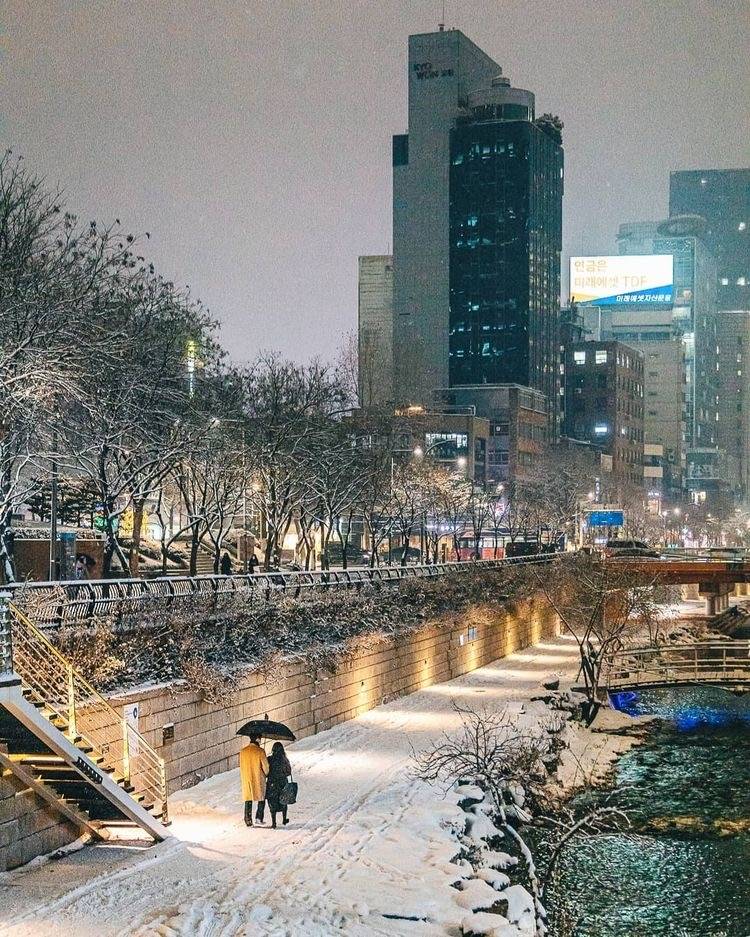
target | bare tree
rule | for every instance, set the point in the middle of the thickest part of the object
(504, 761)
(600, 604)
(286, 408)
(53, 272)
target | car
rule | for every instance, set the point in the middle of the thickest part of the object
(622, 548)
(644, 552)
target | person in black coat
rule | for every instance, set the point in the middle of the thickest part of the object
(279, 771)
(226, 564)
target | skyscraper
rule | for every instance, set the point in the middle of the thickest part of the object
(693, 308)
(477, 208)
(722, 197)
(375, 330)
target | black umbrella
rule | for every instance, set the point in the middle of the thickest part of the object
(265, 728)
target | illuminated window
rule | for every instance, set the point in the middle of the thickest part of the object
(600, 429)
(601, 356)
(742, 226)
(725, 281)
(741, 281)
(579, 357)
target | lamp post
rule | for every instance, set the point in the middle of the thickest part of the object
(420, 453)
(54, 562)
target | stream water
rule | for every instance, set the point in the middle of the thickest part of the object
(683, 869)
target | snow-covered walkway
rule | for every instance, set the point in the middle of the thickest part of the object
(367, 847)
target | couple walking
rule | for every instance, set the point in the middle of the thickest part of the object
(264, 779)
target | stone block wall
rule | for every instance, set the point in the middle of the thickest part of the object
(29, 827)
(205, 742)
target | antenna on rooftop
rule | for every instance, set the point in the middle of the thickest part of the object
(441, 24)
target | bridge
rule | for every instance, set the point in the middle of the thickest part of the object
(724, 663)
(716, 574)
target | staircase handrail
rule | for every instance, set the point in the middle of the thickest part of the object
(74, 700)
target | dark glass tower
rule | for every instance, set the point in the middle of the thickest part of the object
(477, 206)
(722, 197)
(505, 240)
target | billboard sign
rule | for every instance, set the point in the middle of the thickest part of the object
(627, 280)
(605, 519)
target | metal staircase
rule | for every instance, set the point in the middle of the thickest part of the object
(63, 740)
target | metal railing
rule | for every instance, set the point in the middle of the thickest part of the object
(6, 635)
(85, 714)
(715, 662)
(57, 603)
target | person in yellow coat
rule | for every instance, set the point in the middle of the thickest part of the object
(253, 773)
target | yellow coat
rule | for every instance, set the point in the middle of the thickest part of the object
(253, 772)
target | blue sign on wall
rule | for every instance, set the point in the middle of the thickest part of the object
(606, 519)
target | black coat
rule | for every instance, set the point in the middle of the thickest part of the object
(279, 770)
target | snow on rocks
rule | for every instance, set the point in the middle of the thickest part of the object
(469, 792)
(480, 826)
(520, 908)
(488, 925)
(476, 895)
(498, 880)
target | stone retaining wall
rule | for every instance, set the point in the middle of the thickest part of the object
(205, 743)
(204, 733)
(29, 827)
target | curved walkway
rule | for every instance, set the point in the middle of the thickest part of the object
(366, 850)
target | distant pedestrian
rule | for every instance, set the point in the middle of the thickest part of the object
(226, 564)
(253, 563)
(279, 773)
(254, 770)
(80, 571)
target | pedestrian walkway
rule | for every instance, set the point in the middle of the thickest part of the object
(366, 851)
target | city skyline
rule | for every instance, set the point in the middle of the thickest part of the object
(264, 208)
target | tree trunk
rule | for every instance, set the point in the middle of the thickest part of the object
(7, 565)
(405, 554)
(194, 544)
(134, 555)
(164, 556)
(112, 546)
(269, 549)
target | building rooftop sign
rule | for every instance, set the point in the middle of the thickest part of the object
(622, 280)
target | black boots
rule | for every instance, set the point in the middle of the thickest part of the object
(248, 813)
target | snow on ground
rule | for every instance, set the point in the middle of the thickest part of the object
(367, 850)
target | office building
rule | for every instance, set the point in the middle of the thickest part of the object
(653, 334)
(722, 197)
(454, 438)
(604, 404)
(375, 330)
(477, 205)
(733, 380)
(518, 420)
(693, 309)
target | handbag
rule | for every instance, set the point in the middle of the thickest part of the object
(289, 794)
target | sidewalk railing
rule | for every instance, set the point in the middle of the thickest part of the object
(58, 603)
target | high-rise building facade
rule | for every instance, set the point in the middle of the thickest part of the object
(653, 334)
(375, 330)
(693, 310)
(733, 378)
(477, 206)
(722, 197)
(604, 405)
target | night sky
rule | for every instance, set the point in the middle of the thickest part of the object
(252, 139)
